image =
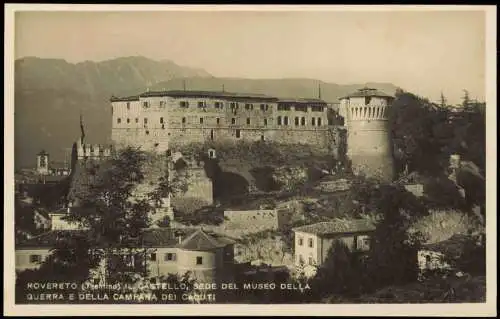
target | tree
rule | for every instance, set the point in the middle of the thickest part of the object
(412, 119)
(173, 181)
(443, 101)
(107, 209)
(393, 253)
(340, 273)
(466, 100)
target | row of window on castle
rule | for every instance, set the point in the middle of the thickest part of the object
(279, 120)
(247, 106)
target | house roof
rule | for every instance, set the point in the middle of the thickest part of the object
(412, 178)
(54, 178)
(338, 226)
(164, 237)
(200, 240)
(47, 240)
(42, 212)
(367, 92)
(196, 239)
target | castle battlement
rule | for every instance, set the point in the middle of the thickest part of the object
(94, 151)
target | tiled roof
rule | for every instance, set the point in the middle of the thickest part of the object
(164, 237)
(48, 239)
(200, 240)
(193, 239)
(338, 226)
(54, 178)
(367, 92)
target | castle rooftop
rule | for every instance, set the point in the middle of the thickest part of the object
(215, 94)
(194, 94)
(367, 92)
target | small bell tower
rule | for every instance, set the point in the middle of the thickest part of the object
(42, 163)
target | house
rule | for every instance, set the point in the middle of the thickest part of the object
(58, 222)
(312, 242)
(41, 219)
(441, 256)
(162, 251)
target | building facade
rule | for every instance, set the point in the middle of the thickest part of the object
(313, 242)
(155, 120)
(208, 256)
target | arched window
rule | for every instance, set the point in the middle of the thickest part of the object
(296, 121)
(183, 120)
(303, 121)
(279, 120)
(285, 120)
(313, 121)
(319, 121)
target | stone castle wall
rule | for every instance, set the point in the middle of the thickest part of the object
(154, 123)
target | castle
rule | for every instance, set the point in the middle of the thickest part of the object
(159, 120)
(162, 120)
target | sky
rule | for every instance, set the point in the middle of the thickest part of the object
(425, 52)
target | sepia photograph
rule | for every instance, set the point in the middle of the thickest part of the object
(335, 160)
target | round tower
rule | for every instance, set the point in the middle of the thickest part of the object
(369, 143)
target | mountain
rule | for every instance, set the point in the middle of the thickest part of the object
(284, 88)
(50, 94)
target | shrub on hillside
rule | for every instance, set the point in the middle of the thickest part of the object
(207, 215)
(440, 225)
(188, 205)
(440, 192)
